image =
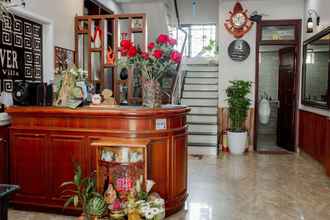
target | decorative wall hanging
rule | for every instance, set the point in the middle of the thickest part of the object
(64, 58)
(239, 50)
(238, 22)
(20, 52)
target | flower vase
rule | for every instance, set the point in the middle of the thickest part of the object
(151, 94)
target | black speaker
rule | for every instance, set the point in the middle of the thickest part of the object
(30, 93)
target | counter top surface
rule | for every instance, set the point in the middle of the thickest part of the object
(102, 110)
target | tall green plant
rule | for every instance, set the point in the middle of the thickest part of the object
(238, 103)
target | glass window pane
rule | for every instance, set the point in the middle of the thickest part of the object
(199, 37)
(278, 33)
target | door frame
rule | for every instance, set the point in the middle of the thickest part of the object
(294, 43)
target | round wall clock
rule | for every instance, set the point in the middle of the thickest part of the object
(238, 23)
(239, 50)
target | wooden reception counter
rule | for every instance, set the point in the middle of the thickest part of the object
(45, 140)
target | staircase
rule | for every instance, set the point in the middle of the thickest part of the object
(200, 92)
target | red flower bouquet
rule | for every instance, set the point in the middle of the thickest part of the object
(153, 63)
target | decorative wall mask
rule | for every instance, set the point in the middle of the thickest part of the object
(238, 23)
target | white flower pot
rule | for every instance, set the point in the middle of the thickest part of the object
(237, 142)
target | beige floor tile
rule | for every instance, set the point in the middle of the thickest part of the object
(251, 187)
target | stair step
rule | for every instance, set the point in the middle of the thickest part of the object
(209, 81)
(192, 74)
(203, 133)
(201, 87)
(203, 150)
(199, 94)
(201, 145)
(202, 68)
(203, 127)
(202, 123)
(204, 110)
(205, 139)
(196, 114)
(202, 118)
(199, 102)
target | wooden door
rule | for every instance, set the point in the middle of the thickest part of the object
(287, 99)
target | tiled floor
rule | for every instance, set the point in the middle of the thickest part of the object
(252, 187)
(267, 142)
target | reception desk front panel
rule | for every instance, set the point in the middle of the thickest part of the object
(45, 141)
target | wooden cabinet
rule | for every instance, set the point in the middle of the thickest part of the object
(64, 151)
(45, 141)
(29, 164)
(3, 155)
(314, 137)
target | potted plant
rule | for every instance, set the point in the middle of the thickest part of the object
(153, 64)
(82, 194)
(239, 105)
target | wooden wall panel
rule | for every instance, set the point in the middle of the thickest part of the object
(314, 137)
(3, 155)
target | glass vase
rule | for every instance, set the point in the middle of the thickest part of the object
(151, 93)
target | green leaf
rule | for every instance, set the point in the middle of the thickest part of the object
(68, 202)
(67, 184)
(75, 200)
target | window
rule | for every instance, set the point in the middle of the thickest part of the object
(199, 36)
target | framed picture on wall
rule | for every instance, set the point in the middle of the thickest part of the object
(64, 58)
(20, 52)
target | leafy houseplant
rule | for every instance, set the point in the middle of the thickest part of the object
(83, 195)
(153, 63)
(239, 105)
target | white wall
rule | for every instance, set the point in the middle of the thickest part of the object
(206, 12)
(61, 13)
(230, 70)
(322, 7)
(110, 4)
(156, 16)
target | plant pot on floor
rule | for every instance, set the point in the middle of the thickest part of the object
(237, 142)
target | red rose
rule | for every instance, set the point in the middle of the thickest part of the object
(162, 39)
(151, 45)
(132, 51)
(123, 51)
(158, 54)
(172, 41)
(145, 55)
(126, 44)
(176, 56)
